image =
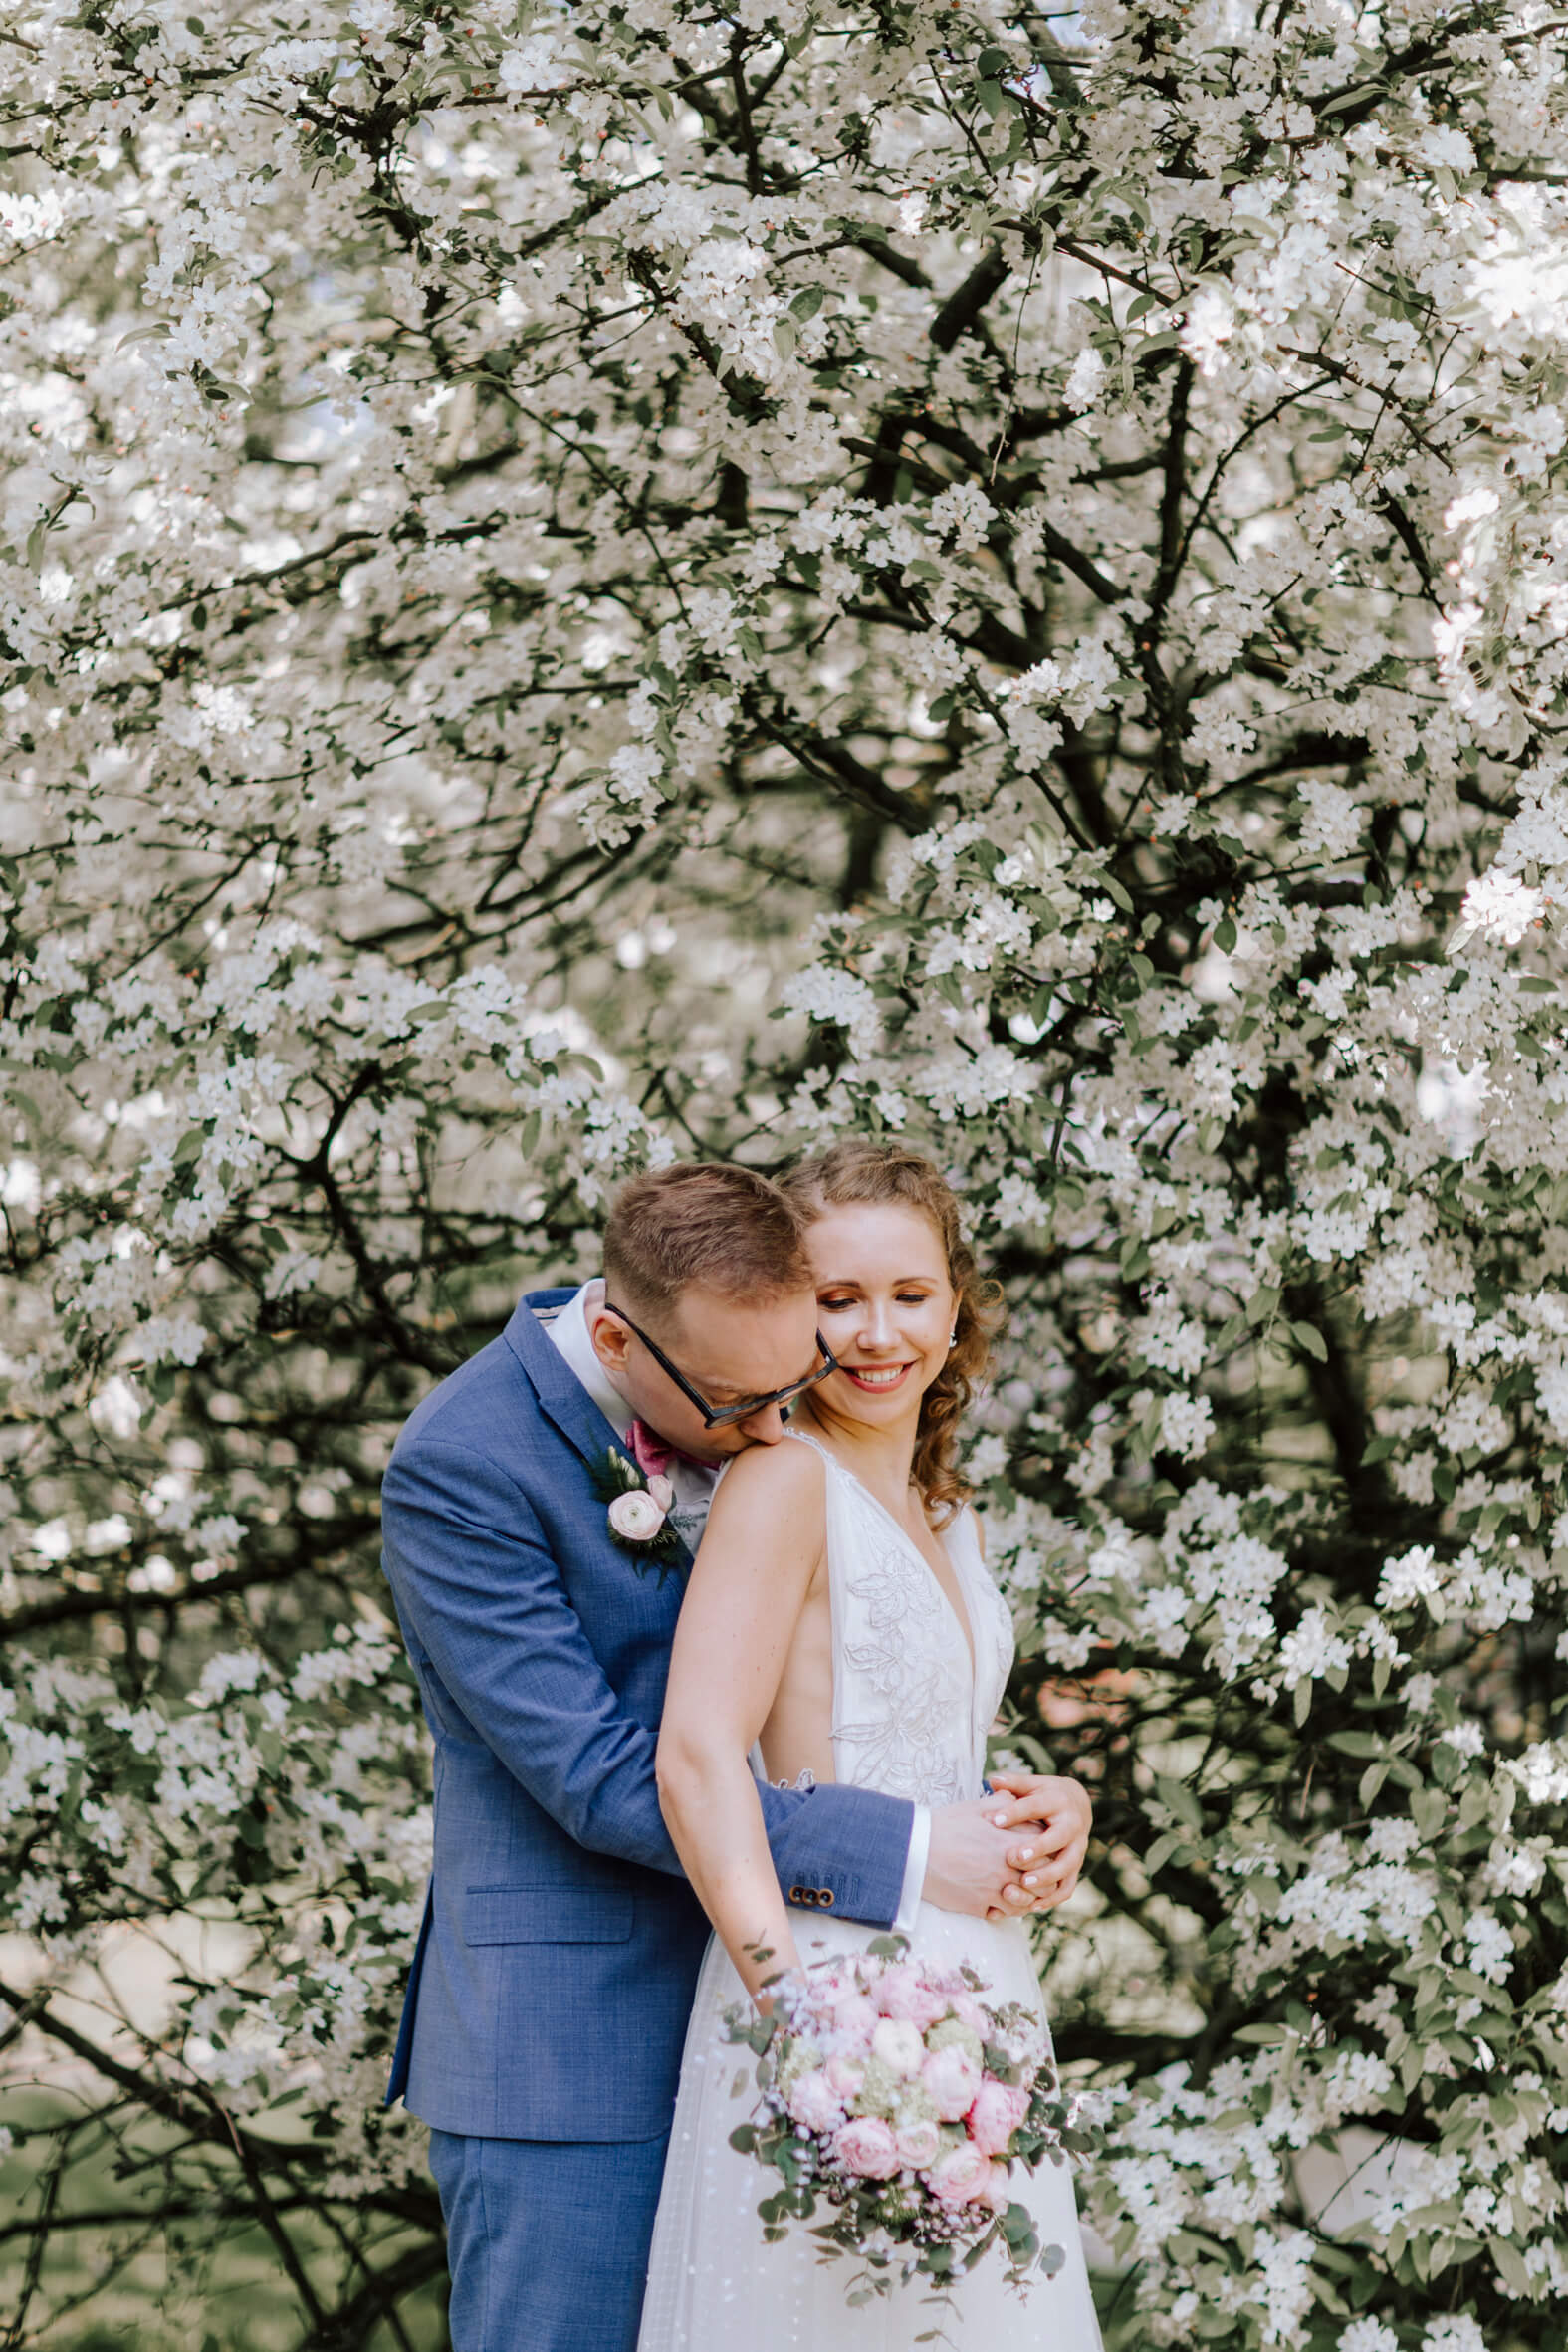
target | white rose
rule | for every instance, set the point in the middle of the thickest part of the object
(662, 1490)
(899, 2045)
(635, 1517)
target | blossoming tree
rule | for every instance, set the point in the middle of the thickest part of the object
(540, 543)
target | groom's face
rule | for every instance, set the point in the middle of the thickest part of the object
(729, 1350)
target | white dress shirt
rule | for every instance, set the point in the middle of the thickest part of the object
(694, 1483)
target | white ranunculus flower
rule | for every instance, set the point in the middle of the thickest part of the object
(635, 1516)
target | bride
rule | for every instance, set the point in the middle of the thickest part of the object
(840, 1624)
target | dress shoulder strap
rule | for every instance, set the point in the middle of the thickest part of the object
(815, 1443)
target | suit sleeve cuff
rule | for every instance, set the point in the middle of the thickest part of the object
(914, 1872)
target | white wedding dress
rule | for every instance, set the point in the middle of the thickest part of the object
(909, 1719)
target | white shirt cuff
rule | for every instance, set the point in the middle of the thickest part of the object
(914, 1872)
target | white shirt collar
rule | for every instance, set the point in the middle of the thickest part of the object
(570, 1333)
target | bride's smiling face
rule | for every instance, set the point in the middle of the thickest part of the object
(885, 1306)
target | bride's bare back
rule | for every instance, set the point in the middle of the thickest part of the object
(797, 1737)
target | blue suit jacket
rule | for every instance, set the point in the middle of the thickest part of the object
(561, 1944)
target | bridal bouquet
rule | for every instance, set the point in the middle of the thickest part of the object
(899, 2097)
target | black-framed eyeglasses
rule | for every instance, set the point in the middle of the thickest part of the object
(730, 1413)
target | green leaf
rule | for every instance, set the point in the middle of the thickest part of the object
(1178, 1799)
(1225, 935)
(1017, 2225)
(1112, 888)
(1428, 1810)
(809, 302)
(1348, 98)
(1474, 1803)
(1308, 1337)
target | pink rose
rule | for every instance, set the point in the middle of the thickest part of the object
(662, 1490)
(952, 2077)
(898, 2045)
(813, 2105)
(889, 1987)
(844, 2076)
(968, 2011)
(962, 2175)
(866, 2146)
(903, 1994)
(999, 2109)
(919, 2144)
(635, 1517)
(853, 2022)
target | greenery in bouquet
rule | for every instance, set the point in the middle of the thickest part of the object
(897, 2096)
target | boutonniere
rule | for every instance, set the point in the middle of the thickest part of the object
(637, 1509)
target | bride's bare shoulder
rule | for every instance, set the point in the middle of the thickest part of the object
(784, 1478)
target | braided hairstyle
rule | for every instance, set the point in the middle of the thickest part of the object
(857, 1172)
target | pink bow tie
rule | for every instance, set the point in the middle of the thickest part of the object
(654, 1455)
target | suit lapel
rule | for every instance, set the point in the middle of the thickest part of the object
(564, 1400)
(561, 1395)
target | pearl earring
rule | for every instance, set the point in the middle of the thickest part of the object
(953, 1336)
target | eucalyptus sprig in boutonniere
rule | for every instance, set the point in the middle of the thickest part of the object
(637, 1509)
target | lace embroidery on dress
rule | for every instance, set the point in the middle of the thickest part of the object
(903, 1745)
(910, 1712)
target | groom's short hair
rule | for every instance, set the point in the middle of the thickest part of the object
(703, 1225)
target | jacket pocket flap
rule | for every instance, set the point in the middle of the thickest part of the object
(546, 1914)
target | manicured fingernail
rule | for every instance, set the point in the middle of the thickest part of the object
(1033, 1879)
(1000, 1820)
(1029, 1853)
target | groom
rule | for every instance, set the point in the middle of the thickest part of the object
(546, 2012)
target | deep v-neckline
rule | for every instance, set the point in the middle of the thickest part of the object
(964, 1626)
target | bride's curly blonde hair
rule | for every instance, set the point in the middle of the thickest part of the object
(858, 1171)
